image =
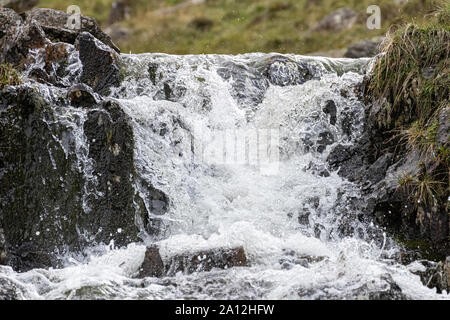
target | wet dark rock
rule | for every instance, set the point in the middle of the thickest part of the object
(111, 146)
(309, 205)
(318, 229)
(422, 228)
(303, 217)
(346, 121)
(325, 138)
(330, 108)
(3, 252)
(173, 91)
(364, 48)
(32, 194)
(56, 57)
(47, 202)
(190, 262)
(248, 85)
(54, 24)
(377, 170)
(436, 275)
(348, 159)
(337, 20)
(156, 203)
(152, 71)
(282, 71)
(344, 93)
(372, 290)
(100, 64)
(19, 5)
(153, 265)
(80, 95)
(39, 75)
(376, 162)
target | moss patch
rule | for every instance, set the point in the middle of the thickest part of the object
(8, 76)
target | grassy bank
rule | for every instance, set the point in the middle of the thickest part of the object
(238, 26)
(412, 84)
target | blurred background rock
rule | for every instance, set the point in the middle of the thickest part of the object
(334, 28)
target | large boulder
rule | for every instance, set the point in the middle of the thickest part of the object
(57, 195)
(67, 171)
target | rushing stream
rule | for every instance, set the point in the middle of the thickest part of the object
(243, 162)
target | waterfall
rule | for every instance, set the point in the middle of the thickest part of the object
(239, 145)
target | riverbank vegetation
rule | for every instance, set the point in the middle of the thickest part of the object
(412, 84)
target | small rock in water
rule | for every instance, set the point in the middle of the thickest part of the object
(153, 266)
(190, 262)
(81, 95)
(325, 138)
(330, 108)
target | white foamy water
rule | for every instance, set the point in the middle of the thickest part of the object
(274, 217)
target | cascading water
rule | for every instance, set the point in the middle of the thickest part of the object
(181, 107)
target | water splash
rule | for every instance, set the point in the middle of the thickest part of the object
(302, 210)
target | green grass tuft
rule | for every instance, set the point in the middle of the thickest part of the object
(8, 76)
